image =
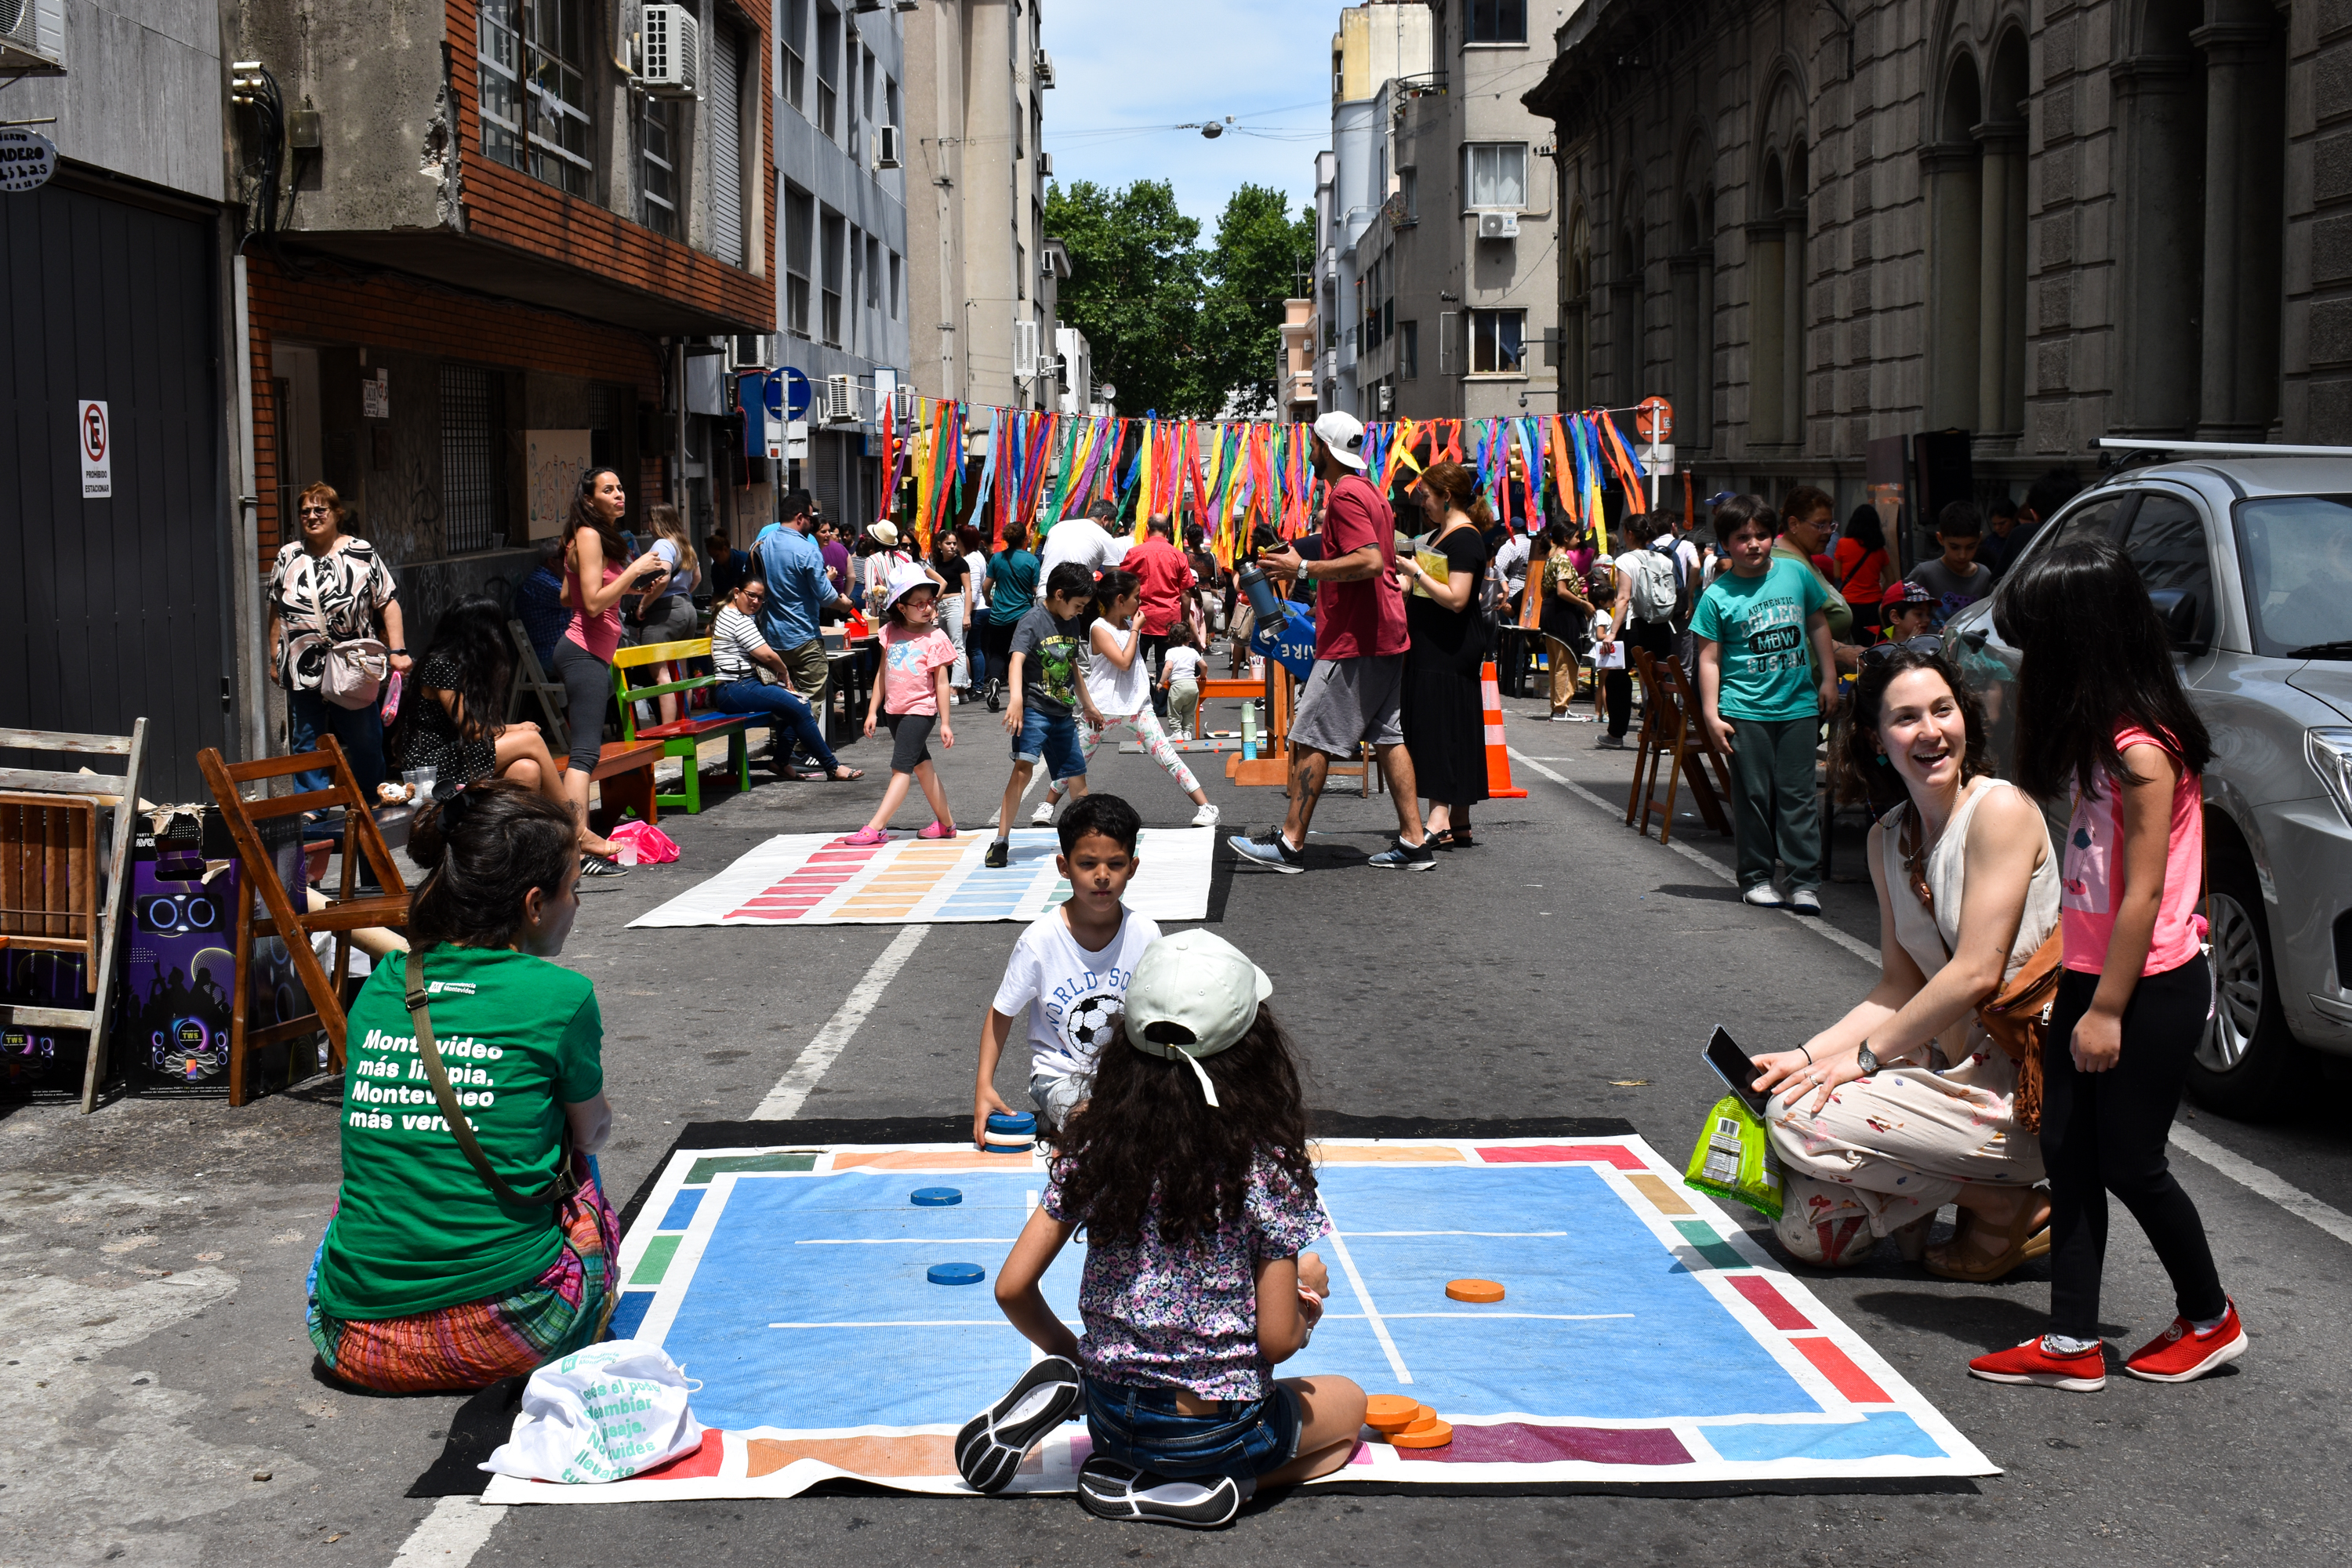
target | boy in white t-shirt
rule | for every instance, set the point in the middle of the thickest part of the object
(1069, 970)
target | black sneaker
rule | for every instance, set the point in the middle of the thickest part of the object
(991, 1447)
(1270, 852)
(1111, 1489)
(595, 867)
(995, 702)
(999, 856)
(1403, 857)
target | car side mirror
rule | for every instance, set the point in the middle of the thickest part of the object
(2183, 615)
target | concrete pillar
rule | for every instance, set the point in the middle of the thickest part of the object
(1767, 327)
(1955, 268)
(1792, 305)
(2001, 280)
(1693, 346)
(2158, 287)
(2246, 160)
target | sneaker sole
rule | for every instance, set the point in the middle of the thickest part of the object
(1428, 865)
(1284, 867)
(986, 1455)
(1213, 1511)
(2219, 1358)
(2045, 1380)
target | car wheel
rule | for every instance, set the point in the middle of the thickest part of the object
(2244, 1066)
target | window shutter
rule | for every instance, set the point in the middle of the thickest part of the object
(1449, 339)
(726, 101)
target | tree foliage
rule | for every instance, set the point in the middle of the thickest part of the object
(1186, 331)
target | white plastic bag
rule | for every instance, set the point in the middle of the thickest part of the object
(600, 1415)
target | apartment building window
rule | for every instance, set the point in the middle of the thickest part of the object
(1408, 349)
(1498, 173)
(1020, 271)
(874, 273)
(658, 167)
(533, 93)
(792, 79)
(829, 279)
(501, 100)
(828, 68)
(1495, 22)
(723, 95)
(1497, 342)
(889, 102)
(857, 290)
(472, 443)
(800, 241)
(1409, 200)
(893, 300)
(856, 111)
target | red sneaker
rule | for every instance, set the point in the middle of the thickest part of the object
(2181, 1354)
(2029, 1362)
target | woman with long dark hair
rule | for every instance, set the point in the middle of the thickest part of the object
(449, 1266)
(1441, 713)
(597, 573)
(2100, 716)
(955, 605)
(450, 713)
(1910, 1101)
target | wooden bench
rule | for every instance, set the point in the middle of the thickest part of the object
(625, 781)
(682, 737)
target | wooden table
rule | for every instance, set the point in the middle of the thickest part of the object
(624, 774)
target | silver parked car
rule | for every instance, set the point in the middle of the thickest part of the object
(2247, 551)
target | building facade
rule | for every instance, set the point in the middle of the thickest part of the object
(1378, 43)
(1294, 375)
(842, 298)
(982, 270)
(2038, 225)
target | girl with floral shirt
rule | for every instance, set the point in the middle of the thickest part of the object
(1187, 1168)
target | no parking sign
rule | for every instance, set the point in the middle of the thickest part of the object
(94, 449)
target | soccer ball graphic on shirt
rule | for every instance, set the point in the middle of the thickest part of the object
(1093, 1023)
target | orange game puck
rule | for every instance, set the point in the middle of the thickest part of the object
(1484, 1290)
(1436, 1437)
(1388, 1412)
(1426, 1421)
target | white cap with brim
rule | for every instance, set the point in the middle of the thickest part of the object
(1343, 433)
(1203, 985)
(905, 578)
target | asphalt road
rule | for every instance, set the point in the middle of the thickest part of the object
(152, 1257)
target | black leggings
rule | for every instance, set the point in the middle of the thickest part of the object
(997, 640)
(587, 687)
(2105, 1132)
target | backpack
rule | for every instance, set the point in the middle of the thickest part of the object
(1655, 586)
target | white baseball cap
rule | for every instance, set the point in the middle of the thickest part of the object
(1203, 985)
(1344, 435)
(906, 577)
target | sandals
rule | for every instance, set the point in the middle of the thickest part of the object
(838, 775)
(1956, 1260)
(864, 838)
(1109, 1488)
(938, 830)
(993, 1444)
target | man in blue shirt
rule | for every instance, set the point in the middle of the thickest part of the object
(799, 592)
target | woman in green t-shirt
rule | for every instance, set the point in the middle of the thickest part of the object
(429, 1277)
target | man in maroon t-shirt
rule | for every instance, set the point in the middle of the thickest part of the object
(1359, 644)
(1166, 578)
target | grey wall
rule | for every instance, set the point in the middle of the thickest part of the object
(142, 95)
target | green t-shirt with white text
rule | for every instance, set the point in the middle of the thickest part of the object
(417, 1228)
(1767, 673)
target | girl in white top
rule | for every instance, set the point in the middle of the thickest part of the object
(1906, 1103)
(1120, 684)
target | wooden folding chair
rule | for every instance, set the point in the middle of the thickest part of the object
(1672, 732)
(388, 908)
(49, 892)
(532, 679)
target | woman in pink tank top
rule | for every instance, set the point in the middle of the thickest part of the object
(2100, 716)
(597, 573)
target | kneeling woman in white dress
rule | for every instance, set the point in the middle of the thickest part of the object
(1928, 1092)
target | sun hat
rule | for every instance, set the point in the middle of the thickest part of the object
(905, 578)
(884, 533)
(1343, 433)
(1905, 592)
(1201, 984)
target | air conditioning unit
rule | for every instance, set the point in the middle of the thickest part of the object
(1385, 401)
(840, 400)
(1025, 349)
(669, 56)
(1499, 225)
(1044, 165)
(887, 151)
(1044, 69)
(33, 36)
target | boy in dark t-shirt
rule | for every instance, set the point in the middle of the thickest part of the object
(1048, 665)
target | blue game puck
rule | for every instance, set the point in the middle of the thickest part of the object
(935, 1197)
(956, 1274)
(1023, 1124)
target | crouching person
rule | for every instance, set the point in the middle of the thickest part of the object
(457, 1256)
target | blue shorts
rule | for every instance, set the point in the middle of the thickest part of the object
(1142, 1426)
(1055, 738)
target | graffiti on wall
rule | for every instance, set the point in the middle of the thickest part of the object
(553, 459)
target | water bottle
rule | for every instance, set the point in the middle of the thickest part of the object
(1265, 602)
(1249, 724)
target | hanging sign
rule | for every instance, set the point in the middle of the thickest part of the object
(27, 159)
(94, 450)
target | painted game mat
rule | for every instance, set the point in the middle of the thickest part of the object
(1644, 1340)
(814, 879)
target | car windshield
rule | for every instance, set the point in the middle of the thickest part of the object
(2296, 552)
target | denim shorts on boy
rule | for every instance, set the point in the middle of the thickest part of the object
(1240, 1438)
(1056, 1095)
(1055, 738)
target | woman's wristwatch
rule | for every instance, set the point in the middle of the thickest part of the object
(1865, 1059)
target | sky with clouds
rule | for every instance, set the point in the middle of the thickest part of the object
(1126, 75)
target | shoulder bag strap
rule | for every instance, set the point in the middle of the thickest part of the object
(555, 1191)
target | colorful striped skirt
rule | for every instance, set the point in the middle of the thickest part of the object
(474, 1343)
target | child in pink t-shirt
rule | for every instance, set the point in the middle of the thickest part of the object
(911, 696)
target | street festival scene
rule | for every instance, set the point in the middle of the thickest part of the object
(953, 781)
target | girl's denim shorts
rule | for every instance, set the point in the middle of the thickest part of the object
(1241, 1437)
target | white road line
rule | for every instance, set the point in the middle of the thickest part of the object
(1372, 1312)
(1503, 1233)
(914, 1324)
(450, 1535)
(2243, 1172)
(908, 1241)
(783, 1101)
(1817, 924)
(2255, 1179)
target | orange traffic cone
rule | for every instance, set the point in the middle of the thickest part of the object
(1498, 755)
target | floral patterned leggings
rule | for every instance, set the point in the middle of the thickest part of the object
(1155, 742)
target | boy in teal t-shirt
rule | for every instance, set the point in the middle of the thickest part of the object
(1759, 700)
